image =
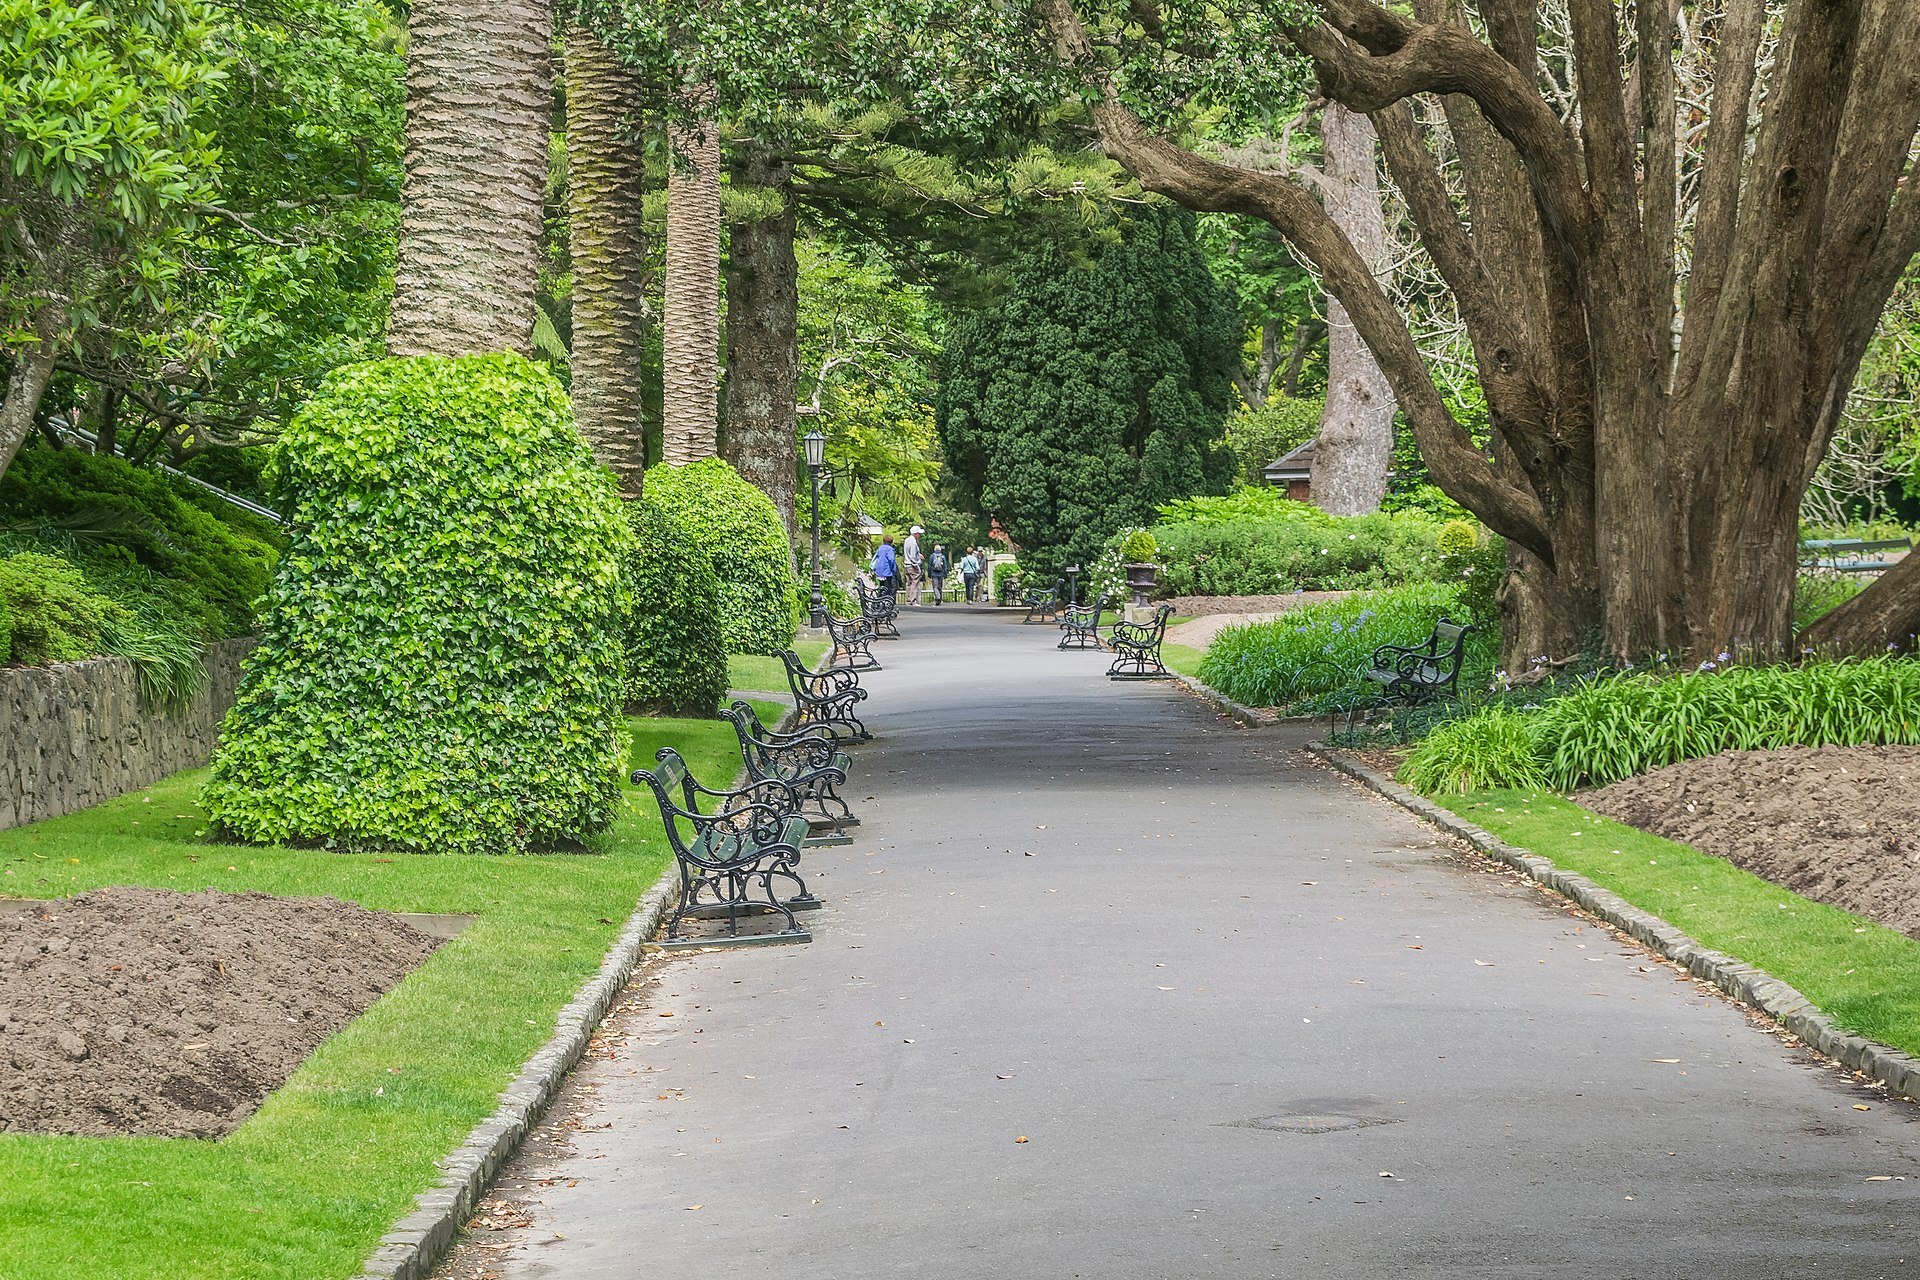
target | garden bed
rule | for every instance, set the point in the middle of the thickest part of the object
(1840, 825)
(152, 1012)
(1201, 606)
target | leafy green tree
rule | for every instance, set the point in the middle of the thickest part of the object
(105, 160)
(1094, 395)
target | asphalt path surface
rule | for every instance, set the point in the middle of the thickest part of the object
(1108, 987)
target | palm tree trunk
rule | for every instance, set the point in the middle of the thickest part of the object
(479, 101)
(606, 173)
(690, 340)
(763, 337)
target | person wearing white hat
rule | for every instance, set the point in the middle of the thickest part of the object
(911, 564)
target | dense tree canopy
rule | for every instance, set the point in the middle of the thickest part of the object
(1093, 394)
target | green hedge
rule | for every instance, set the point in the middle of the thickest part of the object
(1620, 726)
(737, 526)
(143, 530)
(440, 662)
(53, 615)
(676, 657)
(1248, 546)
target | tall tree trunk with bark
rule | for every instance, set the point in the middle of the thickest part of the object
(763, 336)
(479, 101)
(606, 170)
(690, 346)
(1355, 444)
(1651, 436)
(51, 250)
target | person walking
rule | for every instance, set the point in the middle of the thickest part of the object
(912, 564)
(886, 566)
(937, 567)
(970, 573)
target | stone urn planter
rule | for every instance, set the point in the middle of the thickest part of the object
(1140, 581)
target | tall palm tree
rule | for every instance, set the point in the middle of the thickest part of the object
(690, 339)
(606, 174)
(479, 101)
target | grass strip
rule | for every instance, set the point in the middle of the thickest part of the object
(1864, 976)
(757, 671)
(307, 1186)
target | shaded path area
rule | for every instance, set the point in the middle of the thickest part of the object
(1251, 1022)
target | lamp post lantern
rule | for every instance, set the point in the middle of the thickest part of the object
(816, 447)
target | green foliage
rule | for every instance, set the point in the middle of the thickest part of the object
(1269, 433)
(1107, 576)
(1297, 547)
(1817, 594)
(6, 629)
(736, 525)
(676, 659)
(1251, 502)
(54, 616)
(1492, 749)
(1457, 537)
(165, 653)
(1621, 726)
(140, 524)
(440, 665)
(1139, 547)
(1093, 395)
(1319, 649)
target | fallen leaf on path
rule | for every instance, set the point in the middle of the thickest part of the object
(1484, 964)
(692, 1207)
(1414, 946)
(1861, 1106)
(1021, 1138)
(1385, 1174)
(1009, 1076)
(1663, 1059)
(1163, 988)
(1881, 1177)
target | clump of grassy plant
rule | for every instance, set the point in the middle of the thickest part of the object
(1494, 748)
(1626, 725)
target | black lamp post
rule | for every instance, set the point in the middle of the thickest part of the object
(816, 446)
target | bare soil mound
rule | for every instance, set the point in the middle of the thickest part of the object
(144, 1011)
(1840, 825)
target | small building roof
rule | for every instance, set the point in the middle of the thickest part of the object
(1295, 464)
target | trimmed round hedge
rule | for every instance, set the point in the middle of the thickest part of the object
(676, 658)
(439, 667)
(737, 526)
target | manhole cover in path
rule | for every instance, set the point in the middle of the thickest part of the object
(1311, 1122)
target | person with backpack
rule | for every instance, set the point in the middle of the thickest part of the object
(970, 573)
(937, 567)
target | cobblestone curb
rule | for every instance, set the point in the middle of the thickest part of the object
(1238, 712)
(415, 1244)
(1900, 1072)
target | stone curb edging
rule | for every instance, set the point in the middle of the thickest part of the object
(1899, 1071)
(414, 1246)
(1237, 711)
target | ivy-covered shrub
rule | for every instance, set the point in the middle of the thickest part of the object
(676, 659)
(149, 532)
(53, 615)
(737, 526)
(439, 668)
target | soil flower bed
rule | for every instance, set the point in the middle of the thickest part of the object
(1840, 825)
(146, 1011)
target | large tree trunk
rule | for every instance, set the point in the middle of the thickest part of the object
(479, 102)
(32, 369)
(763, 337)
(606, 170)
(1355, 444)
(690, 356)
(1651, 437)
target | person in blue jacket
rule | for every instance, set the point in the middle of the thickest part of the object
(886, 566)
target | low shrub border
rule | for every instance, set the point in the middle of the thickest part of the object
(1849, 976)
(393, 1105)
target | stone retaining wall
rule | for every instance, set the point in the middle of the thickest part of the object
(78, 733)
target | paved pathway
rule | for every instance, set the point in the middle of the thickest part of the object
(1098, 917)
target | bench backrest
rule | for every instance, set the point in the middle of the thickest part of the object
(1446, 644)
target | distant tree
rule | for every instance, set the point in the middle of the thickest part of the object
(1094, 394)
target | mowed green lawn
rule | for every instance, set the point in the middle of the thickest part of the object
(764, 674)
(1865, 976)
(307, 1186)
